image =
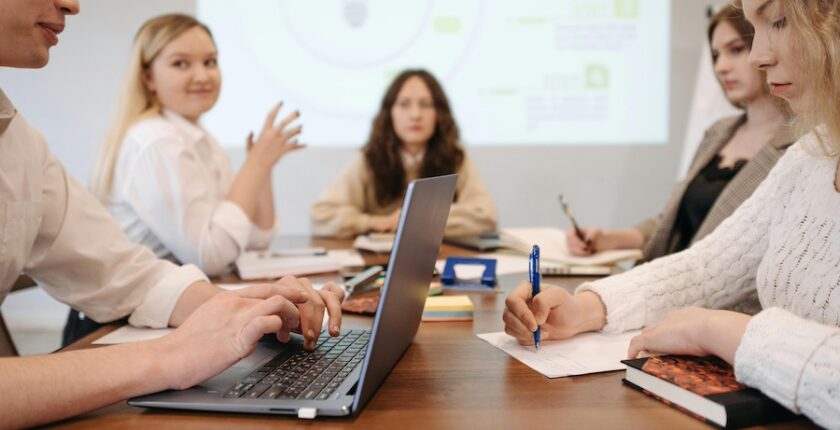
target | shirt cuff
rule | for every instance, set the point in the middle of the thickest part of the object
(625, 306)
(160, 301)
(232, 219)
(261, 238)
(774, 352)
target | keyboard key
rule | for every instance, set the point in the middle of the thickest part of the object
(255, 392)
(309, 394)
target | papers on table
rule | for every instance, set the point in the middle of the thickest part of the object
(380, 243)
(266, 264)
(552, 242)
(583, 354)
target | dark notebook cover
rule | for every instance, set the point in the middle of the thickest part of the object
(713, 379)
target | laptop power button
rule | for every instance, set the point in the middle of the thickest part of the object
(307, 413)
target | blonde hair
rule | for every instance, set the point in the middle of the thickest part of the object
(136, 101)
(816, 42)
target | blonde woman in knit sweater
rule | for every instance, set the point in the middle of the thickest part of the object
(784, 242)
(414, 135)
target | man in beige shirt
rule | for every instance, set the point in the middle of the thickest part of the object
(54, 231)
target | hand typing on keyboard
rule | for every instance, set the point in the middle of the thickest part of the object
(227, 327)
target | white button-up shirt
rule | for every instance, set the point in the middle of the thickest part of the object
(56, 232)
(169, 193)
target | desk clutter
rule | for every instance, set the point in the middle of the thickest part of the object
(274, 264)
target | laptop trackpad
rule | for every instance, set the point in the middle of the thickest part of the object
(264, 352)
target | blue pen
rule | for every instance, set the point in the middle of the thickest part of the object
(534, 277)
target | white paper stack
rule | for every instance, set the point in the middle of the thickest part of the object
(265, 264)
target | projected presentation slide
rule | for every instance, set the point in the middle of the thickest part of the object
(527, 72)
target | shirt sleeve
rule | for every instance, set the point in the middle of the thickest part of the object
(262, 238)
(339, 212)
(716, 272)
(166, 185)
(795, 362)
(82, 258)
(473, 211)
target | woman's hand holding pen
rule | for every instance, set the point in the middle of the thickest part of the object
(559, 314)
(587, 245)
(595, 240)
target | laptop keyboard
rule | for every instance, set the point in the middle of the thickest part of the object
(306, 375)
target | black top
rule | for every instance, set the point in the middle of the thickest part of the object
(700, 196)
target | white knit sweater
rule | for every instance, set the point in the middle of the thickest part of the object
(783, 241)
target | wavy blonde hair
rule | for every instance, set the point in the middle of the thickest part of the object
(136, 101)
(815, 28)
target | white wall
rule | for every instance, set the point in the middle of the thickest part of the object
(71, 100)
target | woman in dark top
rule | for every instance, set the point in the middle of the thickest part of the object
(734, 157)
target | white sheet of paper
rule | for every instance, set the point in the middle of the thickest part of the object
(347, 257)
(583, 354)
(315, 285)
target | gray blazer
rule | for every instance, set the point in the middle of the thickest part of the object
(661, 238)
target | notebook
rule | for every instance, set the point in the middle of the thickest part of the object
(552, 242)
(704, 388)
(267, 264)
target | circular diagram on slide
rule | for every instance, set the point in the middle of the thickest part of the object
(332, 55)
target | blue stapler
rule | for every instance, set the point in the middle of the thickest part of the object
(487, 282)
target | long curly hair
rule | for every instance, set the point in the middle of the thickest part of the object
(443, 156)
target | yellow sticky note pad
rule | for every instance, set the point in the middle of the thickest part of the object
(448, 308)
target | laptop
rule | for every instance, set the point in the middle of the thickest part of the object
(342, 374)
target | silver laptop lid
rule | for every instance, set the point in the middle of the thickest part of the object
(410, 269)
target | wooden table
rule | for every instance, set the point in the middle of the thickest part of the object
(447, 379)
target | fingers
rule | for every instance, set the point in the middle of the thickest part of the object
(286, 136)
(333, 295)
(276, 305)
(289, 290)
(548, 299)
(517, 304)
(272, 116)
(515, 328)
(288, 120)
(311, 315)
(255, 329)
(249, 142)
(576, 246)
(637, 345)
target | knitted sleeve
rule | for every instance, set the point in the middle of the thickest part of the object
(716, 272)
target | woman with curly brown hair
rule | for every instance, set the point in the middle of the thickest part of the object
(414, 135)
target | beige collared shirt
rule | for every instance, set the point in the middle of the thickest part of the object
(348, 202)
(169, 193)
(53, 230)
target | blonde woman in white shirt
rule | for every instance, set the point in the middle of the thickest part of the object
(783, 242)
(56, 232)
(165, 179)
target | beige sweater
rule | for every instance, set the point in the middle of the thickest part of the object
(345, 206)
